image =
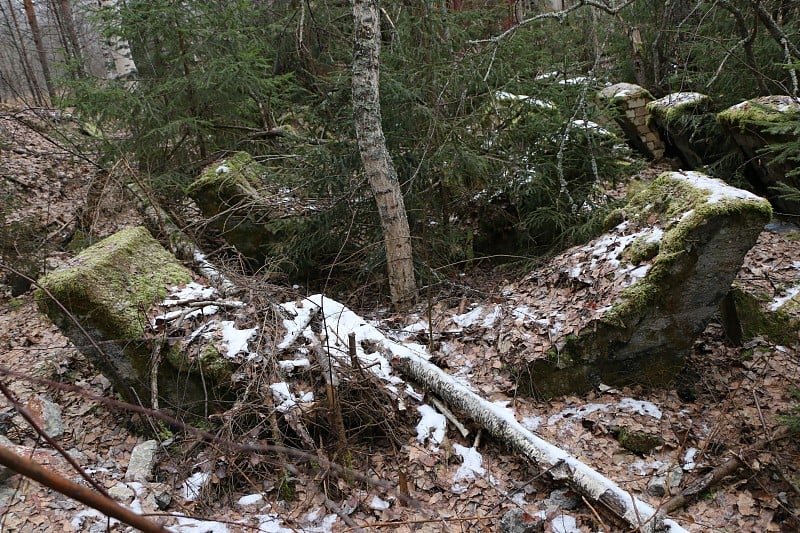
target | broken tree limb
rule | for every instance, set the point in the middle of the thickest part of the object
(85, 495)
(561, 465)
(728, 468)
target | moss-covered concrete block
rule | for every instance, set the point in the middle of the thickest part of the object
(627, 307)
(105, 292)
(251, 210)
(747, 124)
(688, 127)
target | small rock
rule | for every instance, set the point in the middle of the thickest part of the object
(143, 459)
(658, 484)
(48, 415)
(122, 493)
(163, 500)
(518, 521)
(563, 499)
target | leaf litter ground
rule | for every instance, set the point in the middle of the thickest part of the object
(731, 399)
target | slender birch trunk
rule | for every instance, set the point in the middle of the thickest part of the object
(378, 166)
(120, 65)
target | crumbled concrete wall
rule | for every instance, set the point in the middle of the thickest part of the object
(688, 128)
(629, 102)
(747, 123)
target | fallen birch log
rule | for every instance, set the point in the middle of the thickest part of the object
(561, 465)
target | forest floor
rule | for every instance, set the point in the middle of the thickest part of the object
(733, 401)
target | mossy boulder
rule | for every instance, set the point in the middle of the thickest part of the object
(252, 211)
(105, 292)
(747, 123)
(688, 127)
(627, 307)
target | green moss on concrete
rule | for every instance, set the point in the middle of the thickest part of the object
(682, 208)
(621, 93)
(111, 282)
(642, 249)
(757, 113)
(678, 109)
(756, 320)
(241, 176)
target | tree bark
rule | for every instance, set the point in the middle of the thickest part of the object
(19, 43)
(120, 65)
(30, 13)
(562, 466)
(67, 21)
(378, 166)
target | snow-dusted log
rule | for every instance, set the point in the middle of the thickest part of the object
(561, 465)
(374, 350)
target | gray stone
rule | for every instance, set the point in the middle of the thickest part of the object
(657, 486)
(518, 521)
(143, 459)
(563, 499)
(122, 493)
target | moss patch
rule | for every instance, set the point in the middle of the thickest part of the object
(678, 108)
(111, 282)
(756, 114)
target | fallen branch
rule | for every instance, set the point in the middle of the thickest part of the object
(728, 468)
(77, 492)
(562, 466)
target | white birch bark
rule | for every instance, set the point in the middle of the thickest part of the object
(562, 466)
(121, 65)
(378, 166)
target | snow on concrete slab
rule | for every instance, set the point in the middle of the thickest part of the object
(718, 190)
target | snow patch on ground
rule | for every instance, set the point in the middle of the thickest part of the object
(190, 491)
(432, 426)
(191, 525)
(779, 301)
(235, 339)
(468, 319)
(250, 499)
(565, 524)
(191, 292)
(471, 467)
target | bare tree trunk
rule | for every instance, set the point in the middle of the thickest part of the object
(378, 165)
(30, 75)
(30, 12)
(66, 22)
